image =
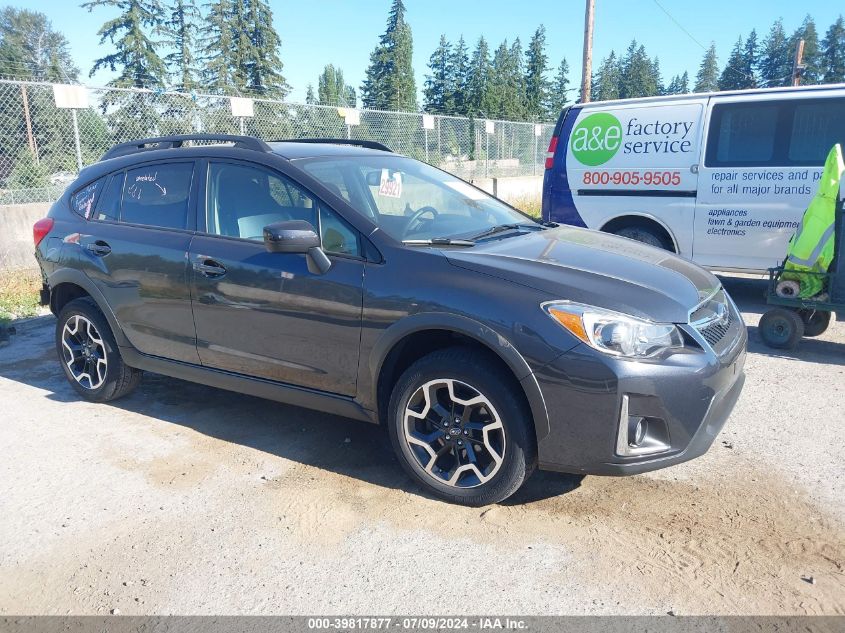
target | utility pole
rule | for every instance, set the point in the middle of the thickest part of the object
(587, 66)
(29, 135)
(797, 64)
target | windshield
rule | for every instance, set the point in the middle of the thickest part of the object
(410, 200)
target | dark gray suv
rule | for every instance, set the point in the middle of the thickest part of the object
(339, 276)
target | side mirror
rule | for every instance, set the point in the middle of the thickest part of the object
(297, 236)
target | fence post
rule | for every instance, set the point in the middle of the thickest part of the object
(29, 135)
(76, 139)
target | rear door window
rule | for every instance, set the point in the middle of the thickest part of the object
(108, 204)
(157, 195)
(816, 127)
(743, 134)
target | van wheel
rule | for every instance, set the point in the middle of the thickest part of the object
(781, 328)
(88, 353)
(646, 235)
(460, 428)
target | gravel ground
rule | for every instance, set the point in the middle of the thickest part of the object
(190, 500)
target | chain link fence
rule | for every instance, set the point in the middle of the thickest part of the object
(43, 146)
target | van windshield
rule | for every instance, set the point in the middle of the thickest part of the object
(410, 200)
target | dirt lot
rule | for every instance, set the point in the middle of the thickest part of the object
(187, 499)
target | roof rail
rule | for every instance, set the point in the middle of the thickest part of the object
(177, 140)
(339, 141)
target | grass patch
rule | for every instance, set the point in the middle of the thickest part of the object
(19, 294)
(530, 204)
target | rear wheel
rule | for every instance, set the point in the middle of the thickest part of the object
(645, 234)
(816, 322)
(89, 355)
(781, 328)
(461, 429)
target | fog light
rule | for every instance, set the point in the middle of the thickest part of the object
(638, 435)
(639, 432)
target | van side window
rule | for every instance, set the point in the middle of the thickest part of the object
(108, 205)
(816, 127)
(157, 195)
(82, 202)
(743, 135)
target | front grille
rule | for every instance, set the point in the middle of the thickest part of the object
(714, 319)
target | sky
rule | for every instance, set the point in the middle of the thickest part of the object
(344, 32)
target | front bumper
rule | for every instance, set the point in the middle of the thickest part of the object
(690, 394)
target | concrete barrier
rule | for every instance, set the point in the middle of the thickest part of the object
(16, 220)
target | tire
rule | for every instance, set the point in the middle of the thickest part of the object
(487, 450)
(781, 328)
(89, 355)
(816, 322)
(646, 235)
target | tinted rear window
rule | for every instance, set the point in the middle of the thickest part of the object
(82, 202)
(108, 205)
(157, 195)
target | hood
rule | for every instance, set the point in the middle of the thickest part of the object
(595, 268)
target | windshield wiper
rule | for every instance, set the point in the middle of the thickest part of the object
(501, 228)
(438, 241)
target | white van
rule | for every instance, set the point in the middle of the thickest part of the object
(722, 179)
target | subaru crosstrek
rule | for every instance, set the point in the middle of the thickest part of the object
(339, 276)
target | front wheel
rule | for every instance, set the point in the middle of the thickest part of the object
(646, 235)
(460, 427)
(89, 355)
(781, 328)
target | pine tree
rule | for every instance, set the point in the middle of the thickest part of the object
(657, 77)
(262, 63)
(218, 50)
(750, 61)
(679, 85)
(389, 80)
(776, 59)
(438, 92)
(507, 84)
(812, 58)
(459, 71)
(333, 90)
(707, 79)
(135, 57)
(181, 28)
(536, 84)
(638, 74)
(478, 81)
(833, 53)
(310, 97)
(606, 83)
(733, 77)
(556, 97)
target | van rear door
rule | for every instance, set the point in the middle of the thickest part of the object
(763, 159)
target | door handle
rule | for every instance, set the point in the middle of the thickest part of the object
(209, 268)
(99, 248)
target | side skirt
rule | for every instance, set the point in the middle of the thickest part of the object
(259, 387)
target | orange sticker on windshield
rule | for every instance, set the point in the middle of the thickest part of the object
(390, 187)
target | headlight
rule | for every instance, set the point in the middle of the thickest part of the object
(615, 333)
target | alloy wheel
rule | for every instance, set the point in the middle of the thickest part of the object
(84, 352)
(454, 433)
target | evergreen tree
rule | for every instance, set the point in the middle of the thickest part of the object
(218, 50)
(438, 93)
(608, 79)
(478, 80)
(733, 77)
(310, 97)
(657, 77)
(135, 57)
(459, 71)
(750, 61)
(679, 85)
(333, 90)
(707, 79)
(506, 93)
(833, 53)
(638, 74)
(30, 48)
(262, 64)
(389, 80)
(181, 28)
(536, 84)
(556, 97)
(812, 58)
(776, 59)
